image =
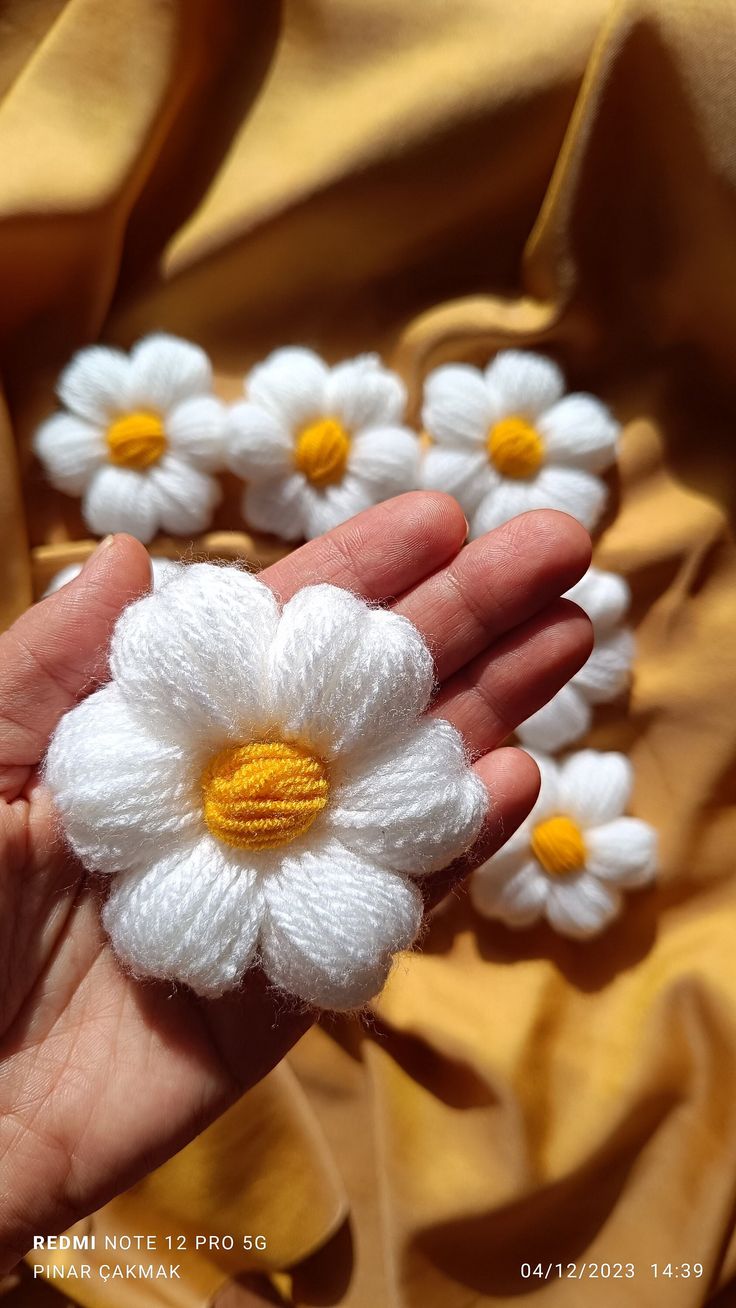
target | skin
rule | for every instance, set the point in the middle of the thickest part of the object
(102, 1078)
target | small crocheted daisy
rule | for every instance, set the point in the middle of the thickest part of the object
(605, 597)
(317, 444)
(161, 569)
(574, 854)
(509, 439)
(263, 785)
(138, 438)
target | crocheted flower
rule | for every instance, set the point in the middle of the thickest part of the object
(575, 853)
(161, 569)
(139, 436)
(508, 439)
(263, 786)
(605, 598)
(316, 444)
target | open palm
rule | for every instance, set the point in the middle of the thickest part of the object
(102, 1078)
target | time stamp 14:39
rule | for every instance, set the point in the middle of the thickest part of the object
(589, 1271)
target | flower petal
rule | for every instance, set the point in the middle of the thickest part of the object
(333, 923)
(604, 596)
(361, 393)
(191, 658)
(462, 473)
(607, 671)
(457, 409)
(70, 450)
(581, 431)
(119, 791)
(325, 509)
(517, 897)
(259, 446)
(571, 491)
(196, 429)
(193, 916)
(502, 502)
(565, 718)
(164, 370)
(595, 787)
(278, 506)
(184, 497)
(121, 499)
(344, 675)
(414, 804)
(623, 852)
(290, 384)
(94, 385)
(523, 383)
(550, 798)
(387, 459)
(582, 906)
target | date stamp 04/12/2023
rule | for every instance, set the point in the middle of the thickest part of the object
(605, 1271)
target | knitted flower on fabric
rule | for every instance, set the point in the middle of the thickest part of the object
(574, 854)
(317, 444)
(262, 785)
(160, 568)
(605, 597)
(138, 438)
(509, 439)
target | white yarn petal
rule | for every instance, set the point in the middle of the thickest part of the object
(70, 450)
(605, 597)
(164, 570)
(259, 446)
(564, 719)
(523, 383)
(193, 917)
(196, 429)
(191, 659)
(333, 924)
(581, 906)
(184, 497)
(578, 429)
(121, 499)
(505, 500)
(606, 672)
(277, 506)
(121, 792)
(595, 787)
(361, 393)
(550, 799)
(414, 805)
(344, 675)
(386, 459)
(94, 385)
(164, 370)
(462, 473)
(571, 490)
(290, 384)
(457, 408)
(517, 898)
(623, 852)
(325, 509)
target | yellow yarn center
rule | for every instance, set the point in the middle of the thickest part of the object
(515, 447)
(136, 440)
(322, 451)
(557, 843)
(264, 794)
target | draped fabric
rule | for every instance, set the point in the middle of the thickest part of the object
(435, 181)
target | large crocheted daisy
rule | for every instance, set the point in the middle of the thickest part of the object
(317, 444)
(575, 853)
(138, 439)
(262, 785)
(605, 597)
(509, 439)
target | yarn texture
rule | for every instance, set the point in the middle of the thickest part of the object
(261, 786)
(138, 438)
(318, 444)
(508, 439)
(575, 854)
(605, 597)
(160, 570)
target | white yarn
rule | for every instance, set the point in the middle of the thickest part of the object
(161, 569)
(605, 597)
(577, 433)
(592, 789)
(210, 661)
(292, 389)
(167, 377)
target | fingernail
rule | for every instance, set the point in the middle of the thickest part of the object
(97, 551)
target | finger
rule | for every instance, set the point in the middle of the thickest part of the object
(488, 699)
(56, 650)
(380, 553)
(495, 583)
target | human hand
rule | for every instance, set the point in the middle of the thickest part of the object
(102, 1078)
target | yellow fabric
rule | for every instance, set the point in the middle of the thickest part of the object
(558, 845)
(322, 451)
(263, 794)
(434, 181)
(136, 440)
(515, 447)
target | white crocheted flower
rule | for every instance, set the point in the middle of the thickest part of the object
(316, 444)
(605, 597)
(263, 785)
(139, 436)
(574, 854)
(509, 439)
(161, 569)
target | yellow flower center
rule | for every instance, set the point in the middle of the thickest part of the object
(264, 794)
(557, 843)
(515, 447)
(136, 440)
(322, 451)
